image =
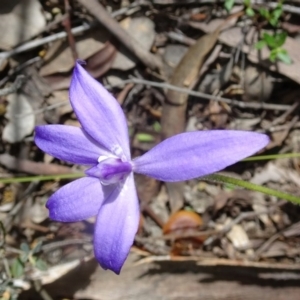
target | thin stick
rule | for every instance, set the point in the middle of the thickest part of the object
(285, 7)
(36, 43)
(233, 102)
(100, 13)
(67, 25)
(60, 35)
(165, 85)
(12, 89)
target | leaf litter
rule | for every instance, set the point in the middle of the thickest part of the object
(237, 227)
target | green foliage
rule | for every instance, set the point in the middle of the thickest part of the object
(275, 42)
(41, 264)
(252, 187)
(260, 44)
(283, 55)
(248, 9)
(145, 138)
(250, 12)
(27, 256)
(157, 127)
(17, 268)
(272, 16)
(228, 4)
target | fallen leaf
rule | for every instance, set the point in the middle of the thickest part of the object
(60, 99)
(238, 236)
(38, 211)
(20, 20)
(21, 118)
(172, 56)
(142, 30)
(276, 173)
(215, 80)
(258, 84)
(59, 57)
(183, 219)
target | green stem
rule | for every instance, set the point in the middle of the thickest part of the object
(272, 156)
(41, 178)
(253, 187)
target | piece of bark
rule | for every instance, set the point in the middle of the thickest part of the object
(174, 109)
(31, 167)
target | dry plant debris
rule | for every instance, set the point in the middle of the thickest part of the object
(140, 50)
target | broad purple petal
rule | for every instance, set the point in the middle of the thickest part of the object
(68, 143)
(195, 154)
(116, 226)
(98, 112)
(78, 200)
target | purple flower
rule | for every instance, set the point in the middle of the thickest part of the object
(108, 191)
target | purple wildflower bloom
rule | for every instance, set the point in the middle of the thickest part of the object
(108, 191)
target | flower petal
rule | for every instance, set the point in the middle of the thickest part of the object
(194, 154)
(68, 143)
(116, 226)
(78, 200)
(98, 112)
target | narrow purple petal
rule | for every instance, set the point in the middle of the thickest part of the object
(98, 112)
(195, 154)
(116, 226)
(78, 200)
(68, 143)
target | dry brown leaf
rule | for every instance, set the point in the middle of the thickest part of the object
(59, 57)
(20, 20)
(99, 63)
(181, 220)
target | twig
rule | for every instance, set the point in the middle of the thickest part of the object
(237, 220)
(67, 24)
(246, 215)
(20, 67)
(233, 102)
(164, 85)
(42, 292)
(285, 7)
(192, 233)
(148, 210)
(36, 43)
(31, 167)
(179, 37)
(245, 264)
(267, 244)
(282, 118)
(21, 202)
(153, 248)
(100, 13)
(59, 244)
(12, 89)
(60, 35)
